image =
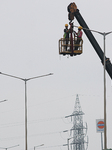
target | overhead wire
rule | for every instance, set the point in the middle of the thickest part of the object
(32, 135)
(57, 99)
(30, 122)
(41, 120)
(51, 146)
(46, 147)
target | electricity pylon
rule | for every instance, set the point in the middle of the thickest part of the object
(79, 129)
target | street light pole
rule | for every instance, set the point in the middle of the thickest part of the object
(26, 114)
(104, 62)
(25, 81)
(105, 126)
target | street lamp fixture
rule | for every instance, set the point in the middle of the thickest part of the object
(25, 81)
(38, 146)
(3, 101)
(8, 147)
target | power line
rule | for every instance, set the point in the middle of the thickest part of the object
(51, 101)
(51, 146)
(33, 135)
(30, 122)
(46, 147)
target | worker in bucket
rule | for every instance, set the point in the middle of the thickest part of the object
(79, 37)
(66, 35)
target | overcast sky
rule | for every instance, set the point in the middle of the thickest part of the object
(29, 34)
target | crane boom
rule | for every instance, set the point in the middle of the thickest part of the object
(91, 38)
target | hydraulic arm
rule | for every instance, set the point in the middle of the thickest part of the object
(73, 11)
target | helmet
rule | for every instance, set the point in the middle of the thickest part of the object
(66, 25)
(80, 27)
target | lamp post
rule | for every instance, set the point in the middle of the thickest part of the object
(25, 81)
(105, 128)
(38, 146)
(104, 62)
(8, 147)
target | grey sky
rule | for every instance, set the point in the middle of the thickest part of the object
(29, 34)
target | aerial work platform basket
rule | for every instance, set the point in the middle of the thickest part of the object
(66, 47)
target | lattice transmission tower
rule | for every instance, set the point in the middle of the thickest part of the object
(79, 130)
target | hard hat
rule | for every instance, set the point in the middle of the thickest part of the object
(80, 27)
(66, 25)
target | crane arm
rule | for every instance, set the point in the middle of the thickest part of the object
(90, 36)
